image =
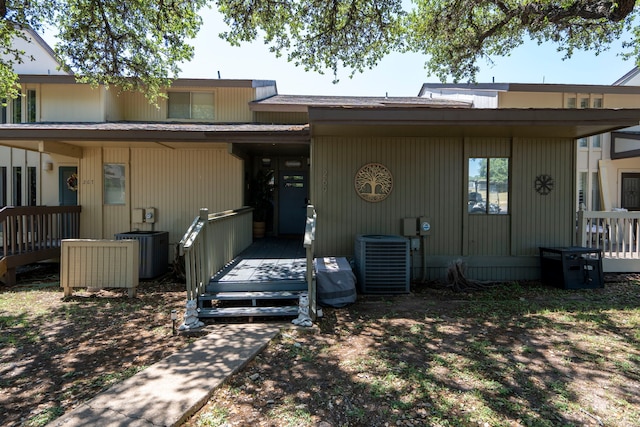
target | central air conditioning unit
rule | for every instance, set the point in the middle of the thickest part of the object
(382, 264)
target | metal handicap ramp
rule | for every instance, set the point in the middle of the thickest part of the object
(265, 280)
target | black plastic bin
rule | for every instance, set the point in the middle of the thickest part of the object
(154, 251)
(572, 267)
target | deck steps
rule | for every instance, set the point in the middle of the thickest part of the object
(218, 312)
(256, 286)
(255, 299)
(252, 296)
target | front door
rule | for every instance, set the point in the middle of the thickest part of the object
(292, 196)
(67, 196)
(630, 198)
(68, 185)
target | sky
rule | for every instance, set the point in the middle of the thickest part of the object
(396, 75)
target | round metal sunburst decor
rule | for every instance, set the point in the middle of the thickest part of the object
(544, 184)
(373, 182)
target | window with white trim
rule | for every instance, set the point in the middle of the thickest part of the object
(114, 184)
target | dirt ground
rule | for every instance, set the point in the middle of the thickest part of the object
(429, 358)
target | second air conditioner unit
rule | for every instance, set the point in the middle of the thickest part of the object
(382, 263)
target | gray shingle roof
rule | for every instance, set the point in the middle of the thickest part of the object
(303, 102)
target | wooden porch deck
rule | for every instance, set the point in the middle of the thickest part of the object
(266, 260)
(266, 279)
(30, 234)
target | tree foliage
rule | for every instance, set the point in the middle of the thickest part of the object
(134, 44)
(139, 44)
(453, 34)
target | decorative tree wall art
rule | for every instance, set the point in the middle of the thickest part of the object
(373, 182)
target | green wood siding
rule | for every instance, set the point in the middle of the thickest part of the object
(539, 220)
(425, 180)
(430, 179)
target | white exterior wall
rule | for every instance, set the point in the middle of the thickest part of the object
(45, 63)
(71, 103)
(46, 193)
(611, 172)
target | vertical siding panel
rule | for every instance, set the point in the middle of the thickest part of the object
(231, 105)
(535, 219)
(117, 217)
(90, 193)
(205, 178)
(422, 189)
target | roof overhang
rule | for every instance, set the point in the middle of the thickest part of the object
(63, 137)
(531, 87)
(559, 123)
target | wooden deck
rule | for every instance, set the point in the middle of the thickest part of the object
(270, 271)
(266, 260)
(33, 233)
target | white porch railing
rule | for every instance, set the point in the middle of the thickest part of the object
(309, 240)
(211, 242)
(615, 233)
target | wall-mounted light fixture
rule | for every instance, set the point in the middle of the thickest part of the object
(47, 166)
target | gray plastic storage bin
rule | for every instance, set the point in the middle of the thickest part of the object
(154, 251)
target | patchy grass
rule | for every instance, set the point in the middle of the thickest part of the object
(518, 354)
(57, 352)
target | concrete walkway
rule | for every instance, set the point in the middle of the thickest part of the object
(168, 392)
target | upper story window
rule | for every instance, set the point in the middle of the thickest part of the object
(12, 112)
(191, 106)
(584, 101)
(488, 185)
(31, 106)
(16, 110)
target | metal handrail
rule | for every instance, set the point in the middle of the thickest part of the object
(309, 241)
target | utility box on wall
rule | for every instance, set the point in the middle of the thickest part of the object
(154, 251)
(409, 227)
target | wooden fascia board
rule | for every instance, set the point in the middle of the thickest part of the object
(23, 145)
(560, 122)
(61, 141)
(271, 137)
(61, 148)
